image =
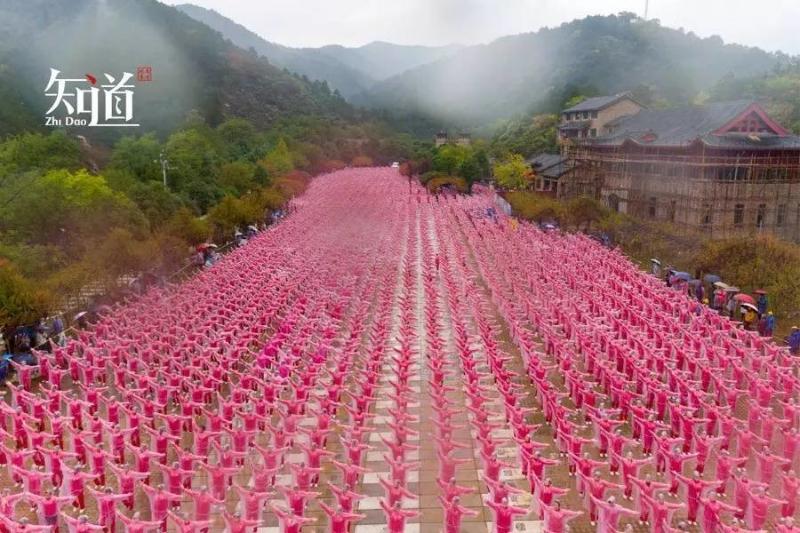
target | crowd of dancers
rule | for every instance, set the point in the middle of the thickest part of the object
(551, 379)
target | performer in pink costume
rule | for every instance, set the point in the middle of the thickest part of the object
(396, 516)
(134, 524)
(609, 514)
(453, 513)
(504, 515)
(556, 518)
(339, 519)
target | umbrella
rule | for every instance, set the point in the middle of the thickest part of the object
(683, 275)
(79, 315)
(760, 291)
(711, 278)
(656, 261)
(252, 227)
(694, 282)
(749, 306)
(731, 288)
(744, 298)
(721, 285)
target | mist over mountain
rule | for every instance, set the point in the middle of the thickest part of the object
(351, 71)
(194, 68)
(538, 71)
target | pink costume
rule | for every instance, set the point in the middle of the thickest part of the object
(339, 520)
(396, 517)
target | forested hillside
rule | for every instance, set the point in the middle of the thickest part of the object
(350, 71)
(536, 72)
(194, 68)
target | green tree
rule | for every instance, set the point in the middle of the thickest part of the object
(512, 172)
(237, 177)
(278, 161)
(240, 139)
(231, 213)
(138, 156)
(157, 203)
(450, 158)
(69, 209)
(21, 301)
(30, 151)
(192, 157)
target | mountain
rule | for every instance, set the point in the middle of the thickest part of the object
(539, 71)
(351, 71)
(194, 68)
(311, 63)
(381, 60)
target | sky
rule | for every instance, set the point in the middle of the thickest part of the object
(768, 24)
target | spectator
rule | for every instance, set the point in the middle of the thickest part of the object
(770, 326)
(750, 319)
(762, 303)
(794, 340)
(699, 292)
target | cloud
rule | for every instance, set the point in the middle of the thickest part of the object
(769, 24)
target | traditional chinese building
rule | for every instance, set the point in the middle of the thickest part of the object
(547, 170)
(442, 138)
(589, 118)
(724, 168)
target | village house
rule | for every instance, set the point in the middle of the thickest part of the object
(725, 168)
(442, 138)
(590, 118)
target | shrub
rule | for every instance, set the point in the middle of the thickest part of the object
(435, 185)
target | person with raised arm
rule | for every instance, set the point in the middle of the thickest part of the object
(646, 492)
(504, 514)
(453, 513)
(396, 516)
(8, 525)
(758, 507)
(160, 501)
(48, 506)
(106, 505)
(185, 525)
(135, 524)
(290, 522)
(712, 511)
(395, 491)
(80, 524)
(609, 514)
(695, 487)
(203, 501)
(556, 518)
(297, 499)
(339, 518)
(344, 497)
(251, 503)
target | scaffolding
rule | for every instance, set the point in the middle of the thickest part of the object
(720, 191)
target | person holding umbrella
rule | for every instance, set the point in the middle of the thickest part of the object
(750, 316)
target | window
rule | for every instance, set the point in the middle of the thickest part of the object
(594, 114)
(613, 202)
(780, 215)
(593, 132)
(585, 115)
(761, 215)
(651, 208)
(738, 215)
(706, 218)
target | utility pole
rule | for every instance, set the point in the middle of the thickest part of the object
(646, 8)
(164, 166)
